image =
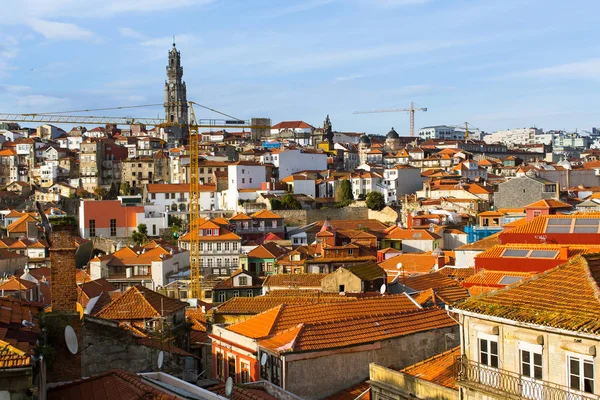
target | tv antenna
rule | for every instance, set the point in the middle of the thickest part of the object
(71, 339)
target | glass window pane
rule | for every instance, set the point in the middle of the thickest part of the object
(543, 254)
(574, 362)
(483, 344)
(587, 221)
(484, 358)
(515, 253)
(525, 369)
(588, 386)
(574, 382)
(558, 229)
(585, 229)
(588, 369)
(537, 372)
(494, 347)
(537, 359)
(526, 356)
(494, 361)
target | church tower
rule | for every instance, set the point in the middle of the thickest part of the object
(328, 131)
(176, 106)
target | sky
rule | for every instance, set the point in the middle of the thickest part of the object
(496, 64)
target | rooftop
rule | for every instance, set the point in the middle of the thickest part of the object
(438, 369)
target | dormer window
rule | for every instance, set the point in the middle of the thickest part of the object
(215, 232)
(243, 281)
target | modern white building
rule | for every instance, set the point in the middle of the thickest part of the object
(511, 137)
(294, 160)
(441, 132)
(399, 181)
(175, 197)
(245, 179)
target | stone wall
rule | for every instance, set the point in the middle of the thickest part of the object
(303, 217)
(388, 214)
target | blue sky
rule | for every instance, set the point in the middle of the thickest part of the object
(494, 63)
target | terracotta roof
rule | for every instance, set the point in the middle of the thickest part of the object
(288, 315)
(240, 392)
(499, 251)
(255, 305)
(356, 331)
(91, 289)
(12, 357)
(254, 281)
(443, 295)
(267, 250)
(396, 232)
(113, 385)
(538, 224)
(458, 274)
(240, 217)
(411, 263)
(291, 125)
(432, 280)
(549, 203)
(265, 214)
(20, 225)
(564, 297)
(294, 280)
(360, 391)
(438, 369)
(492, 278)
(224, 234)
(368, 271)
(139, 302)
(104, 299)
(17, 284)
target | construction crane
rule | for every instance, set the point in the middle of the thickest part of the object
(195, 138)
(466, 126)
(410, 110)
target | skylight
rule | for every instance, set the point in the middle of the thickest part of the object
(509, 280)
(527, 253)
(572, 225)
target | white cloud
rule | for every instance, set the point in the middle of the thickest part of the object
(130, 33)
(14, 88)
(58, 30)
(300, 7)
(39, 100)
(588, 69)
(349, 77)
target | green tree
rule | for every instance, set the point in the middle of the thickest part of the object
(375, 201)
(113, 191)
(289, 202)
(140, 236)
(275, 204)
(100, 192)
(125, 189)
(343, 193)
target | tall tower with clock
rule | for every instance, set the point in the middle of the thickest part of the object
(176, 106)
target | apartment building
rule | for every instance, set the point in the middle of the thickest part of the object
(537, 339)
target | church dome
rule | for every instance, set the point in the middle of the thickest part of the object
(364, 139)
(392, 134)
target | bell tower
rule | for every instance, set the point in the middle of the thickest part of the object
(176, 106)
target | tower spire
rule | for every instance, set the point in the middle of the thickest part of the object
(173, 40)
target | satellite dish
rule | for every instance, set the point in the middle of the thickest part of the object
(228, 387)
(435, 267)
(263, 359)
(28, 324)
(382, 289)
(399, 265)
(71, 339)
(161, 358)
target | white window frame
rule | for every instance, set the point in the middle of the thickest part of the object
(582, 359)
(489, 338)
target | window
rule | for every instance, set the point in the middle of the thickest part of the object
(220, 366)
(226, 246)
(581, 374)
(488, 352)
(207, 294)
(92, 227)
(243, 280)
(250, 180)
(113, 227)
(274, 224)
(245, 374)
(231, 368)
(249, 293)
(208, 246)
(236, 293)
(215, 232)
(219, 246)
(221, 297)
(243, 180)
(531, 364)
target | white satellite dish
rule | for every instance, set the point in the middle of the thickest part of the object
(382, 289)
(228, 387)
(436, 267)
(71, 339)
(263, 359)
(399, 265)
(161, 358)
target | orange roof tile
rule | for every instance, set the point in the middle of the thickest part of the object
(265, 214)
(482, 244)
(538, 224)
(355, 331)
(411, 263)
(12, 357)
(288, 315)
(20, 225)
(139, 302)
(549, 299)
(360, 391)
(458, 274)
(294, 280)
(432, 280)
(492, 278)
(438, 369)
(240, 217)
(549, 203)
(255, 305)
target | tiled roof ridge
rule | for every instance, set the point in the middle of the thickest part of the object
(364, 317)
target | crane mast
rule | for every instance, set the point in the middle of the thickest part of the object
(411, 110)
(195, 270)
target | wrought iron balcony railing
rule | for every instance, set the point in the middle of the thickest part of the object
(507, 384)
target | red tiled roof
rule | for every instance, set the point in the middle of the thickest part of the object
(242, 393)
(360, 391)
(139, 302)
(294, 280)
(113, 385)
(355, 331)
(549, 203)
(255, 305)
(438, 369)
(432, 280)
(566, 297)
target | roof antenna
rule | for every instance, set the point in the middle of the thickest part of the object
(173, 40)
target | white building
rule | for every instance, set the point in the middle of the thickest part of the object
(511, 137)
(245, 179)
(441, 132)
(291, 161)
(175, 197)
(399, 181)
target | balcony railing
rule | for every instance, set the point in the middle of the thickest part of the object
(507, 384)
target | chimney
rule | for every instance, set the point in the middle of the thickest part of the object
(563, 253)
(409, 220)
(63, 282)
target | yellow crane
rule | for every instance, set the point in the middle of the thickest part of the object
(64, 117)
(466, 126)
(411, 110)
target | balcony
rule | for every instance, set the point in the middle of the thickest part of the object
(510, 385)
